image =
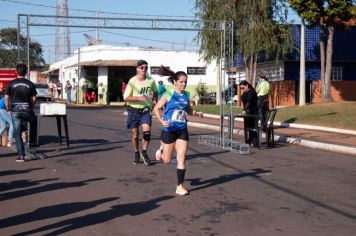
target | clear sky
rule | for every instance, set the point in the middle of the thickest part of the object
(173, 9)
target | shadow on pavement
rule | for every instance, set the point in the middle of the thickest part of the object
(45, 188)
(48, 212)
(116, 211)
(77, 152)
(17, 172)
(22, 184)
(223, 179)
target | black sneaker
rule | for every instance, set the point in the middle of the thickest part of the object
(137, 158)
(145, 158)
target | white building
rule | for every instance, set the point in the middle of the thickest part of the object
(113, 65)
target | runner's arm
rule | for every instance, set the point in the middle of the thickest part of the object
(157, 110)
(192, 112)
(128, 95)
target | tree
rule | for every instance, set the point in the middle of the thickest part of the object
(327, 14)
(8, 49)
(260, 28)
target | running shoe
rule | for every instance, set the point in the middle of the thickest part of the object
(20, 159)
(180, 190)
(145, 158)
(137, 158)
(159, 153)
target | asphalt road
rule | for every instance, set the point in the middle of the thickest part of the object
(92, 188)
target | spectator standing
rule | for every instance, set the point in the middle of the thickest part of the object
(141, 90)
(262, 90)
(20, 99)
(101, 91)
(123, 87)
(51, 88)
(59, 90)
(85, 89)
(55, 93)
(5, 119)
(161, 89)
(68, 89)
(75, 91)
(249, 100)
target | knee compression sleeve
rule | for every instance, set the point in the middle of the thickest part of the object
(147, 135)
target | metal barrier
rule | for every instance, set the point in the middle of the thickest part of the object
(229, 145)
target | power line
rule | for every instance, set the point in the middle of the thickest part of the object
(75, 32)
(8, 20)
(153, 40)
(94, 11)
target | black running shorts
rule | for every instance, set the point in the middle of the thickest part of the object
(172, 136)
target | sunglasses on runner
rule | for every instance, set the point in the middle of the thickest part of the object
(143, 67)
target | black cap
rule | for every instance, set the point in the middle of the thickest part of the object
(141, 62)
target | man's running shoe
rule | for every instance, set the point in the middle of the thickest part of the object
(145, 158)
(137, 158)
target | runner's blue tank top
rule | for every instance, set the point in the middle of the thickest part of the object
(175, 111)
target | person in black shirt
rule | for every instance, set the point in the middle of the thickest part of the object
(20, 99)
(249, 100)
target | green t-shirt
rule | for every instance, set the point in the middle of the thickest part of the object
(262, 88)
(136, 87)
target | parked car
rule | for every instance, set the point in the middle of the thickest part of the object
(210, 98)
(233, 98)
(43, 92)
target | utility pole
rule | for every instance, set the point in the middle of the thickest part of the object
(79, 72)
(49, 56)
(63, 49)
(302, 66)
(97, 24)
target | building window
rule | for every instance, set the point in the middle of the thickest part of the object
(336, 73)
(155, 69)
(274, 74)
(196, 70)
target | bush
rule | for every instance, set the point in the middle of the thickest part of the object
(201, 90)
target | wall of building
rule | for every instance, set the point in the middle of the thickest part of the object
(282, 93)
(340, 91)
(176, 60)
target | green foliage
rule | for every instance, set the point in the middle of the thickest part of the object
(323, 12)
(44, 67)
(91, 84)
(327, 14)
(201, 90)
(259, 24)
(8, 50)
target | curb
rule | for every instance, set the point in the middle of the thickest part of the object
(284, 139)
(295, 141)
(298, 126)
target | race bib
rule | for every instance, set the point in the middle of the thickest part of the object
(179, 116)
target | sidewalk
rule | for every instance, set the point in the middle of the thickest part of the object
(323, 138)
